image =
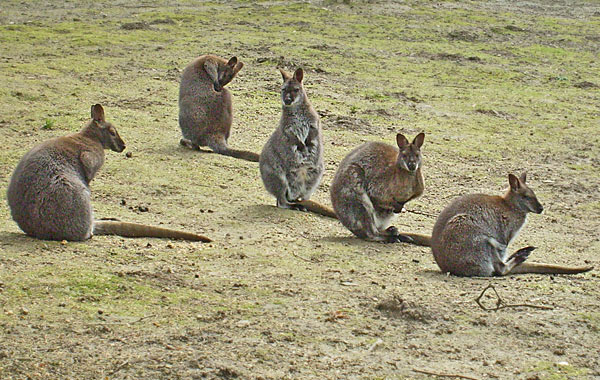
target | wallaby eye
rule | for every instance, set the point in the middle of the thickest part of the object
(112, 132)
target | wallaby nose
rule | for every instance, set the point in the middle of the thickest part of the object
(217, 86)
(287, 99)
(412, 166)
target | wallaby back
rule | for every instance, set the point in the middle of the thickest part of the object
(291, 162)
(205, 106)
(472, 234)
(373, 182)
(140, 230)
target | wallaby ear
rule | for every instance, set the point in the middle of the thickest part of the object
(299, 74)
(238, 67)
(523, 177)
(401, 140)
(514, 182)
(418, 141)
(97, 112)
(284, 74)
(232, 61)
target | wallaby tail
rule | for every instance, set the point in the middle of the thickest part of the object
(318, 208)
(417, 239)
(547, 269)
(243, 154)
(140, 230)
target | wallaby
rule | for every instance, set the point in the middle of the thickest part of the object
(373, 182)
(49, 193)
(291, 162)
(205, 108)
(472, 234)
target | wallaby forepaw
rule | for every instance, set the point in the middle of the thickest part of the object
(392, 231)
(522, 254)
(394, 236)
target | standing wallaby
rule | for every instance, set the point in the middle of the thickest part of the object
(291, 162)
(205, 108)
(471, 235)
(49, 194)
(373, 182)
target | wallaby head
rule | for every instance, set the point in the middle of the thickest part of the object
(409, 156)
(292, 90)
(107, 133)
(521, 195)
(226, 72)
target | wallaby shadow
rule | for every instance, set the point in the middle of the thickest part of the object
(180, 150)
(21, 240)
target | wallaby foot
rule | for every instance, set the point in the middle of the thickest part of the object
(189, 144)
(513, 261)
(298, 207)
(291, 205)
(394, 236)
(521, 255)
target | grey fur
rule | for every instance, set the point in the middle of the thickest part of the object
(472, 234)
(291, 162)
(49, 194)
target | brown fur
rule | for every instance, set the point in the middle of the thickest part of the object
(205, 106)
(373, 182)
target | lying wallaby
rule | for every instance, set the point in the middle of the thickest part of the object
(471, 235)
(49, 194)
(373, 182)
(205, 108)
(291, 162)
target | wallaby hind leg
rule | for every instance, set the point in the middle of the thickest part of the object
(360, 218)
(189, 144)
(72, 199)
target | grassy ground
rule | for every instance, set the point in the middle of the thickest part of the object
(496, 87)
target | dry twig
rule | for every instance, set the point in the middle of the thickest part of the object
(420, 213)
(500, 302)
(302, 258)
(445, 374)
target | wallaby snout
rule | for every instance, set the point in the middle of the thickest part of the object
(288, 99)
(411, 166)
(118, 145)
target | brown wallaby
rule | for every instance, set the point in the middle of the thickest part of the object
(373, 182)
(471, 235)
(205, 108)
(291, 162)
(49, 193)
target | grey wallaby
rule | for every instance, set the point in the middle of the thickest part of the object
(291, 162)
(373, 182)
(205, 107)
(472, 234)
(49, 193)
